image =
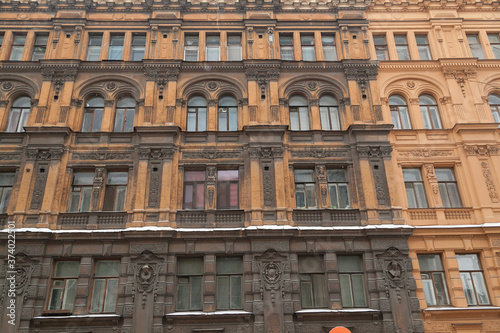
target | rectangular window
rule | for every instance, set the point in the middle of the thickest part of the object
(17, 49)
(495, 44)
(194, 190)
(424, 51)
(6, 182)
(234, 48)
(329, 48)
(229, 283)
(307, 44)
(227, 189)
(138, 47)
(40, 46)
(433, 279)
(116, 47)
(352, 285)
(1, 38)
(94, 47)
(105, 287)
(191, 47)
(189, 281)
(313, 293)
(63, 287)
(338, 188)
(381, 47)
(305, 188)
(82, 192)
(402, 47)
(475, 46)
(472, 279)
(115, 192)
(415, 190)
(448, 188)
(286, 47)
(212, 48)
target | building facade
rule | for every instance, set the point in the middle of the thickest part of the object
(176, 166)
(439, 84)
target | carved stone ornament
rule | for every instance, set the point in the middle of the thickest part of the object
(319, 153)
(24, 270)
(265, 152)
(110, 86)
(370, 152)
(146, 270)
(212, 85)
(312, 85)
(268, 184)
(411, 84)
(271, 273)
(394, 265)
(271, 266)
(426, 153)
(101, 155)
(490, 185)
(6, 86)
(481, 150)
(210, 154)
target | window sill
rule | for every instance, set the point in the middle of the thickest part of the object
(61, 321)
(217, 316)
(485, 312)
(345, 314)
(469, 308)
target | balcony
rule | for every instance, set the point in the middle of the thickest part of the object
(92, 220)
(440, 214)
(326, 217)
(234, 218)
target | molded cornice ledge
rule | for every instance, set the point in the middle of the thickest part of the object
(476, 127)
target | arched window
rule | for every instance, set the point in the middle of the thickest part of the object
(299, 113)
(19, 113)
(329, 112)
(197, 114)
(430, 113)
(399, 112)
(92, 115)
(228, 114)
(494, 101)
(124, 119)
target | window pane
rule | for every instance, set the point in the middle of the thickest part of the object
(306, 294)
(111, 290)
(117, 178)
(200, 196)
(223, 292)
(346, 290)
(294, 121)
(188, 196)
(196, 293)
(430, 296)
(202, 119)
(235, 292)
(55, 298)
(442, 292)
(107, 268)
(96, 125)
(188, 266)
(229, 265)
(97, 295)
(358, 290)
(304, 176)
(468, 262)
(119, 119)
(66, 269)
(332, 190)
(349, 264)
(430, 262)
(475, 46)
(182, 294)
(311, 264)
(85, 200)
(319, 290)
(69, 295)
(482, 293)
(468, 289)
(325, 121)
(121, 192)
(74, 202)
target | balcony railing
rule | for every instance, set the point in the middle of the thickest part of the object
(92, 220)
(433, 214)
(327, 217)
(213, 218)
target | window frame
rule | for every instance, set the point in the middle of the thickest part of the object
(81, 191)
(431, 278)
(329, 110)
(15, 45)
(284, 56)
(469, 273)
(112, 192)
(305, 191)
(126, 115)
(106, 290)
(227, 184)
(476, 46)
(190, 277)
(425, 47)
(37, 54)
(22, 118)
(90, 46)
(6, 190)
(430, 113)
(212, 47)
(397, 109)
(495, 108)
(231, 114)
(112, 48)
(330, 48)
(402, 47)
(231, 46)
(53, 286)
(415, 192)
(316, 279)
(194, 184)
(305, 46)
(230, 287)
(193, 47)
(134, 48)
(92, 110)
(447, 183)
(195, 109)
(381, 47)
(353, 290)
(337, 185)
(300, 110)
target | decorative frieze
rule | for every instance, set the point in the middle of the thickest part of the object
(156, 153)
(101, 155)
(372, 152)
(425, 153)
(265, 152)
(319, 153)
(481, 150)
(43, 154)
(210, 154)
(488, 178)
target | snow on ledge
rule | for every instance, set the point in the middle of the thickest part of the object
(201, 313)
(90, 316)
(251, 228)
(358, 310)
(471, 308)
